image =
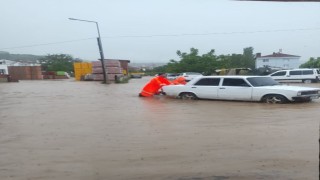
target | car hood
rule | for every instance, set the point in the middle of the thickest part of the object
(291, 88)
(171, 85)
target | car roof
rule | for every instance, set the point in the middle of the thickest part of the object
(228, 76)
(296, 69)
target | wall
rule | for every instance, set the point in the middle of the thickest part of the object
(25, 72)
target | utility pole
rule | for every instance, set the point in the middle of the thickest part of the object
(105, 79)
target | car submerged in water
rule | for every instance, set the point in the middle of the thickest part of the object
(241, 88)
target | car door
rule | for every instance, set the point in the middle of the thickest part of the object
(279, 75)
(295, 75)
(309, 74)
(206, 88)
(235, 89)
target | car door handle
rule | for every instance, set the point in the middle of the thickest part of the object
(193, 87)
(222, 88)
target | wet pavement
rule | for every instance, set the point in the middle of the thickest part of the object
(54, 130)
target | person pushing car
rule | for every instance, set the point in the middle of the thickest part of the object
(154, 85)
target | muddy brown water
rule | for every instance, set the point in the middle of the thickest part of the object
(54, 130)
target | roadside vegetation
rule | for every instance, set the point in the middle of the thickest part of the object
(209, 62)
(311, 63)
(57, 62)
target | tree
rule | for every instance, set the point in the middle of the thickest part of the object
(58, 62)
(193, 62)
(209, 62)
(248, 59)
(311, 63)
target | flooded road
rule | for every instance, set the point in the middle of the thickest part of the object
(54, 130)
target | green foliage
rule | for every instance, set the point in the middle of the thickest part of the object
(248, 59)
(311, 63)
(57, 62)
(209, 62)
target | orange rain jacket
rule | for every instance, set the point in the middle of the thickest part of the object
(153, 86)
(179, 80)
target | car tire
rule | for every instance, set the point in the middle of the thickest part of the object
(274, 99)
(188, 96)
(307, 81)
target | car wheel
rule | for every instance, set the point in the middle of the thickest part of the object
(307, 81)
(189, 96)
(275, 99)
(316, 80)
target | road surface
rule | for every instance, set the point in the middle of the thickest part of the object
(63, 129)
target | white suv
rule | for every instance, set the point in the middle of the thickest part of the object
(190, 75)
(304, 75)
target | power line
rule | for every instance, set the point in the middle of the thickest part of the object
(168, 35)
(217, 33)
(45, 44)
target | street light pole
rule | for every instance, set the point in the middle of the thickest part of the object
(105, 79)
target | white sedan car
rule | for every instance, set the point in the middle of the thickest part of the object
(241, 88)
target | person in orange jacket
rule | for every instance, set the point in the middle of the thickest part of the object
(179, 80)
(154, 85)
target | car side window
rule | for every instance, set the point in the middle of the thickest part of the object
(295, 72)
(307, 72)
(281, 73)
(234, 82)
(208, 82)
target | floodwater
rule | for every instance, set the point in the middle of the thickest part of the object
(68, 130)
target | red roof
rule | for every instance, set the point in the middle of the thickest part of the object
(279, 55)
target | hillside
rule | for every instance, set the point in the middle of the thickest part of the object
(19, 57)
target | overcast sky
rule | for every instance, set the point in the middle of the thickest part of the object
(153, 30)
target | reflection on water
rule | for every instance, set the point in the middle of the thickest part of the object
(88, 130)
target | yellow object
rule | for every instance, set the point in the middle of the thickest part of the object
(81, 69)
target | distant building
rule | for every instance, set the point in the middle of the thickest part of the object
(277, 61)
(3, 69)
(17, 63)
(6, 64)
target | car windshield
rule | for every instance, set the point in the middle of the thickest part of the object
(262, 81)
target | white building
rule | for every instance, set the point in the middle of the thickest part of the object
(4, 66)
(5, 63)
(3, 69)
(278, 61)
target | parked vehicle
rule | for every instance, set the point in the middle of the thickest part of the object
(233, 71)
(172, 76)
(136, 75)
(190, 75)
(241, 88)
(304, 75)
